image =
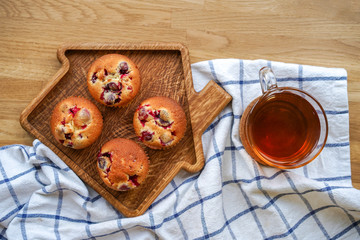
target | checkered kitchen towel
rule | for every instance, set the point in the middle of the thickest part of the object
(233, 197)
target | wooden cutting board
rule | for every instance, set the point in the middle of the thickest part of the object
(165, 71)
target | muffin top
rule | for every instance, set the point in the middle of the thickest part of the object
(122, 164)
(76, 122)
(159, 122)
(113, 80)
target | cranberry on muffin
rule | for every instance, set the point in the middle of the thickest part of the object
(76, 122)
(113, 80)
(159, 122)
(122, 164)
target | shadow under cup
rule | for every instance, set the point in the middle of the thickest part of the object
(286, 128)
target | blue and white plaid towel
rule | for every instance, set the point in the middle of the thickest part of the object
(231, 198)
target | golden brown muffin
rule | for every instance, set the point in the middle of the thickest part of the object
(76, 122)
(113, 80)
(159, 122)
(122, 164)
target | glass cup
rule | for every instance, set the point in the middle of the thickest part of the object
(286, 127)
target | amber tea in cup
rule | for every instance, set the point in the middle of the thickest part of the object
(286, 127)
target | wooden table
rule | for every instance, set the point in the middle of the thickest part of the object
(322, 33)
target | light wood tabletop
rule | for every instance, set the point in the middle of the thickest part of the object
(321, 33)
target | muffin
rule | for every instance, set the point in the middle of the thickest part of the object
(122, 164)
(76, 122)
(113, 80)
(159, 122)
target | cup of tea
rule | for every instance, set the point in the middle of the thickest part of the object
(285, 127)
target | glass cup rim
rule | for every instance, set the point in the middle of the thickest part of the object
(297, 162)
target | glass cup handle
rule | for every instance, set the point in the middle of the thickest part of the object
(267, 79)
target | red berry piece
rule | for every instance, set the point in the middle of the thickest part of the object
(110, 99)
(133, 179)
(161, 119)
(102, 95)
(111, 93)
(146, 136)
(112, 87)
(143, 115)
(106, 154)
(68, 136)
(117, 100)
(123, 68)
(102, 162)
(84, 115)
(163, 123)
(124, 188)
(155, 113)
(74, 110)
(94, 77)
(165, 143)
(166, 139)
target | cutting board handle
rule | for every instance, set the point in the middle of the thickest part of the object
(204, 107)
